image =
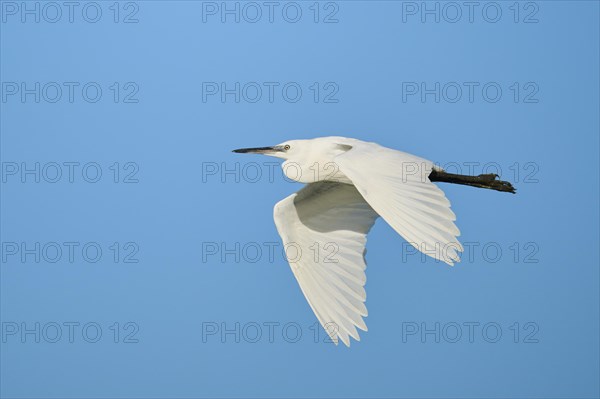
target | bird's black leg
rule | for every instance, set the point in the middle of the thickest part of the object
(488, 181)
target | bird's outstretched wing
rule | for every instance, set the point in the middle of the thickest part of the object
(324, 228)
(397, 186)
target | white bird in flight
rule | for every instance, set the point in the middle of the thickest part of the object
(349, 184)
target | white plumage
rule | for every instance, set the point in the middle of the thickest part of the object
(325, 224)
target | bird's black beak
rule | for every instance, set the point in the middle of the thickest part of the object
(257, 150)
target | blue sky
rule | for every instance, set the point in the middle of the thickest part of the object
(139, 255)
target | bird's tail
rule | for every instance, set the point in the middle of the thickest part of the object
(483, 181)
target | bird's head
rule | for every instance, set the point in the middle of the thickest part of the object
(285, 150)
(307, 161)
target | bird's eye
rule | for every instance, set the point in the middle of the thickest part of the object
(286, 147)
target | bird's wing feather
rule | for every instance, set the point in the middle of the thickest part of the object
(324, 227)
(397, 186)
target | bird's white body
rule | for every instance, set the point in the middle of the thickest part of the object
(349, 184)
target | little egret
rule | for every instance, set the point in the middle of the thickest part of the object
(325, 224)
